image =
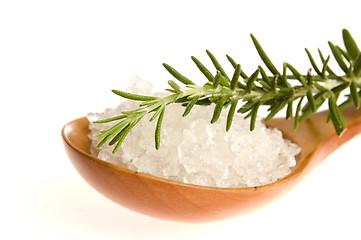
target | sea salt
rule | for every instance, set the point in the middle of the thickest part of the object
(194, 151)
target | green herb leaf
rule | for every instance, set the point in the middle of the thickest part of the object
(250, 81)
(203, 69)
(275, 109)
(289, 111)
(190, 105)
(338, 56)
(177, 75)
(354, 94)
(336, 116)
(313, 63)
(325, 63)
(234, 64)
(124, 133)
(297, 74)
(110, 119)
(357, 66)
(113, 130)
(119, 135)
(311, 100)
(338, 89)
(218, 109)
(157, 112)
(217, 79)
(235, 77)
(254, 116)
(264, 57)
(325, 67)
(132, 96)
(297, 114)
(230, 115)
(158, 128)
(307, 111)
(217, 65)
(350, 44)
(176, 88)
(265, 78)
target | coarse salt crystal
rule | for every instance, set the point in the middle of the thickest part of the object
(197, 152)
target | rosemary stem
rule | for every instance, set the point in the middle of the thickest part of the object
(276, 91)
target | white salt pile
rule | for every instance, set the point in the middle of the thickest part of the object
(194, 151)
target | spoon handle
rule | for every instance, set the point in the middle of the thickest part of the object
(316, 136)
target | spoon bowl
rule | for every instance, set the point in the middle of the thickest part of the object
(171, 200)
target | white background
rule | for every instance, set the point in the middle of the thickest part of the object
(60, 59)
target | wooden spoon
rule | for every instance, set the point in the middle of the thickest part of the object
(177, 201)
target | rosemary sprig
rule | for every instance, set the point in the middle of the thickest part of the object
(275, 91)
